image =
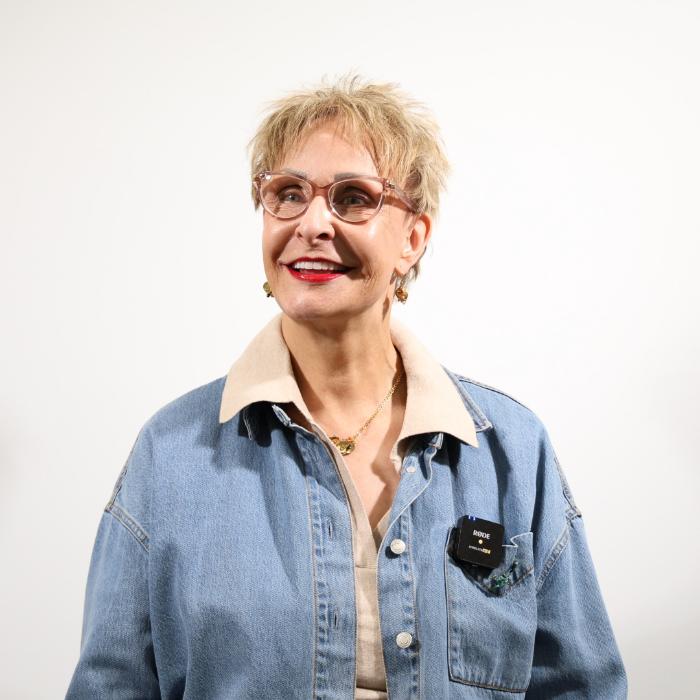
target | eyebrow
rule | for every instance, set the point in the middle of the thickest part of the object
(338, 176)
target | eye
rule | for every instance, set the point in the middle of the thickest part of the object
(354, 197)
(290, 194)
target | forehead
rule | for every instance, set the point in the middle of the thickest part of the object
(325, 153)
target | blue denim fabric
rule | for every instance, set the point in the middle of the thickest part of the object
(223, 566)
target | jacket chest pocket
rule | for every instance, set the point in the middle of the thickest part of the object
(492, 618)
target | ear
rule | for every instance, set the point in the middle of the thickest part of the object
(414, 243)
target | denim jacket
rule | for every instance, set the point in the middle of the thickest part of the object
(223, 565)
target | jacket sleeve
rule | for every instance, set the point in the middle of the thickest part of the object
(576, 655)
(116, 650)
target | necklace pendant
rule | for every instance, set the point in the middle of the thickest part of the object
(345, 446)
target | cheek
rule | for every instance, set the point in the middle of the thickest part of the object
(386, 230)
(377, 268)
(272, 244)
(377, 229)
(383, 247)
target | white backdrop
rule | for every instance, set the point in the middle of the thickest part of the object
(562, 269)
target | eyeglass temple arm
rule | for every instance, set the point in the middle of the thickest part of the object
(400, 194)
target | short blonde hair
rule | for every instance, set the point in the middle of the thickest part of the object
(399, 132)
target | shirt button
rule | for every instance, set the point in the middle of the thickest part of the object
(397, 546)
(404, 639)
(410, 469)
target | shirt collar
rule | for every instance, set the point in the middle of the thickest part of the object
(263, 372)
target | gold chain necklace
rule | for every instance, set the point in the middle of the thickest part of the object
(347, 445)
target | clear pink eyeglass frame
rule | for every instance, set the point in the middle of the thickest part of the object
(387, 187)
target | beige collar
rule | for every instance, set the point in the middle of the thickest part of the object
(264, 373)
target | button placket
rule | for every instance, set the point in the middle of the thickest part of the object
(396, 585)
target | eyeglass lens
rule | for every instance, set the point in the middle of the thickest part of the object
(287, 196)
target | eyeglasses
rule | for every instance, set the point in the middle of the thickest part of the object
(354, 199)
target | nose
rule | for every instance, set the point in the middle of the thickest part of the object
(317, 219)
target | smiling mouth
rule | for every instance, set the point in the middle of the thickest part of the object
(336, 268)
(313, 269)
(317, 275)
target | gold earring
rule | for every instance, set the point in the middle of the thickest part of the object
(267, 289)
(400, 292)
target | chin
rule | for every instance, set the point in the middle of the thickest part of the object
(303, 311)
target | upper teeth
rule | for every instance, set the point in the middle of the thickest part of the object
(309, 265)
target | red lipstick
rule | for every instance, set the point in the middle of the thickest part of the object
(307, 275)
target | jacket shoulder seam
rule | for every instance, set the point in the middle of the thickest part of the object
(129, 522)
(120, 478)
(573, 511)
(556, 550)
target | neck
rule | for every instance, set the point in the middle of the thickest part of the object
(345, 368)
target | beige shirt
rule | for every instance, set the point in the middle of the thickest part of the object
(433, 404)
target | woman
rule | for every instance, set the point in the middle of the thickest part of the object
(341, 516)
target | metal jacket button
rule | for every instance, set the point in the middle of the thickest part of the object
(404, 639)
(397, 546)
